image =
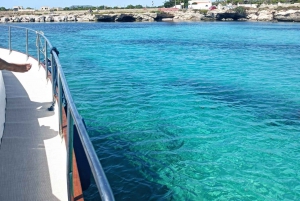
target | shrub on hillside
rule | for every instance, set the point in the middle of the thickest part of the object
(280, 8)
(204, 12)
(240, 10)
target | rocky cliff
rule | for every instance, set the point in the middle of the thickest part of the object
(251, 14)
(288, 14)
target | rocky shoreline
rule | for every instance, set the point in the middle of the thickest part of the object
(272, 15)
(288, 14)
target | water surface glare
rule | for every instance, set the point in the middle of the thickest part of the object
(188, 111)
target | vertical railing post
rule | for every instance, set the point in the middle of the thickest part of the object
(9, 39)
(46, 58)
(27, 44)
(60, 104)
(70, 155)
(52, 77)
(38, 48)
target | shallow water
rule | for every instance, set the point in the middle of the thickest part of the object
(188, 111)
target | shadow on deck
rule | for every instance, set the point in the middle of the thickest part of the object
(24, 171)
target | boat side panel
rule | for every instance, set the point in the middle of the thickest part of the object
(2, 106)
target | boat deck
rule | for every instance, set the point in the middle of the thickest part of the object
(32, 153)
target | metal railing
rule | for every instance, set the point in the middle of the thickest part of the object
(60, 90)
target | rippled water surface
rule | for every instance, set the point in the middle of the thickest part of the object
(188, 111)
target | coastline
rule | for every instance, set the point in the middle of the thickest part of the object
(271, 13)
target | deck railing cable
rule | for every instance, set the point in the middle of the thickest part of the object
(61, 91)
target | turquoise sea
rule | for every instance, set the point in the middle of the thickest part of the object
(188, 111)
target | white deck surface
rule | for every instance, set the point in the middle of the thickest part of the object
(28, 108)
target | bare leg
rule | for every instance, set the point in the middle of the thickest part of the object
(21, 68)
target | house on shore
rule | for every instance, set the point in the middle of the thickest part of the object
(21, 9)
(17, 8)
(45, 8)
(200, 4)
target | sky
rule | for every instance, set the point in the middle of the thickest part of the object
(66, 3)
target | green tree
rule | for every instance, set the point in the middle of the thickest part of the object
(138, 6)
(171, 3)
(130, 7)
(240, 10)
(3, 9)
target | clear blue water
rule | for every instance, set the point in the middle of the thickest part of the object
(188, 111)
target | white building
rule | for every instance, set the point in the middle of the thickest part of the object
(17, 8)
(45, 8)
(177, 6)
(200, 4)
(21, 9)
(249, 5)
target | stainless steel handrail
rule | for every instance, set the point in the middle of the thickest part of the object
(73, 118)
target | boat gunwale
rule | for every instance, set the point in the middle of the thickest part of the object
(94, 163)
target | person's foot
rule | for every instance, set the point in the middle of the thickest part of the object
(20, 68)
